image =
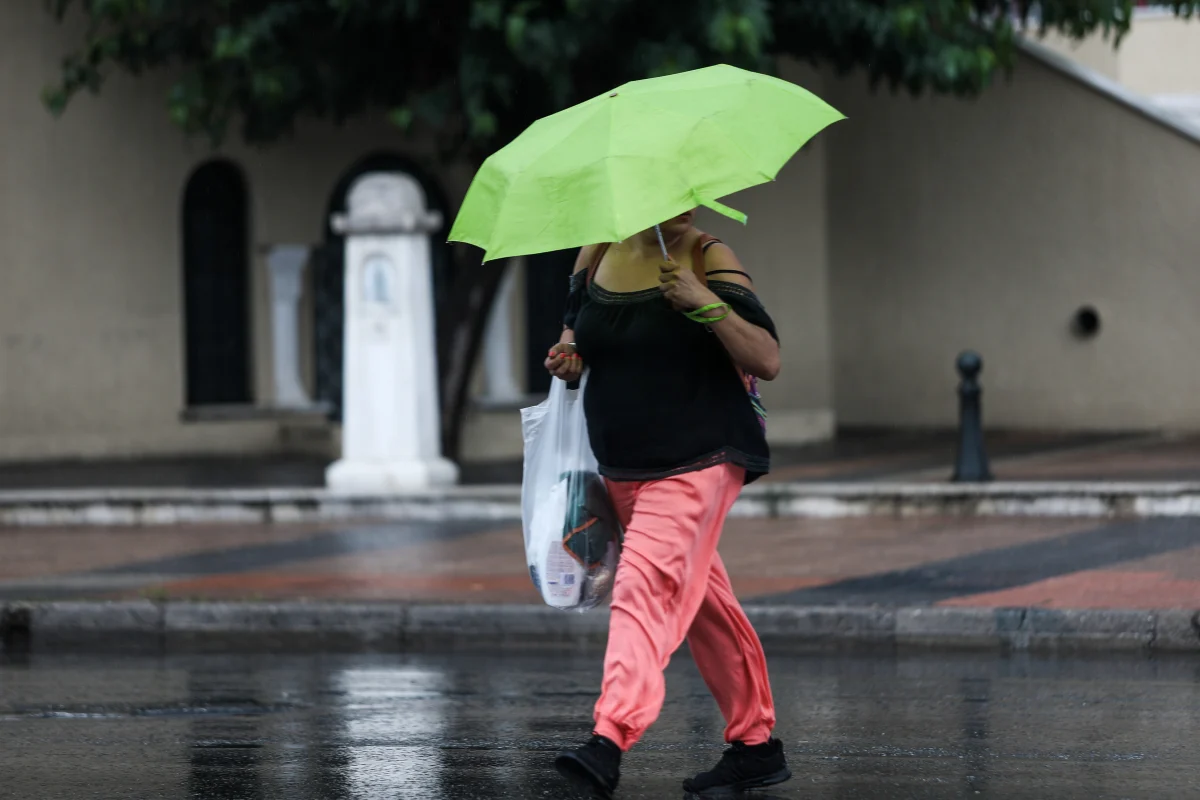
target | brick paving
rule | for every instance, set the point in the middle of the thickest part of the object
(1094, 589)
(1055, 563)
(37, 552)
(1179, 564)
(1154, 460)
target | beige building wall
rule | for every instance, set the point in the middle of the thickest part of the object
(985, 225)
(492, 430)
(1159, 56)
(1095, 52)
(784, 246)
(91, 327)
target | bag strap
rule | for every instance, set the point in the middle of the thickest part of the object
(702, 244)
(594, 264)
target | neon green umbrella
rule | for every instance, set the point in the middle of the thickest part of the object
(625, 161)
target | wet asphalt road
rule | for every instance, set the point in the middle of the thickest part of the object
(486, 726)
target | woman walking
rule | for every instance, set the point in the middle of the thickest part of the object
(677, 432)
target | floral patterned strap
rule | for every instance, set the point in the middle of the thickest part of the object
(756, 403)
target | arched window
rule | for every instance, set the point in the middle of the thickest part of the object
(216, 281)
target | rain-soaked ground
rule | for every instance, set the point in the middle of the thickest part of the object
(486, 726)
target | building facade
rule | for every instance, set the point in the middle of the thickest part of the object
(135, 299)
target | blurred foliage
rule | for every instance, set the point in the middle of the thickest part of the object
(478, 71)
(947, 46)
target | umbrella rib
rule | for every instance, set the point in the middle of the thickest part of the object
(612, 195)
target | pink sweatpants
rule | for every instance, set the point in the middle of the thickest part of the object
(671, 584)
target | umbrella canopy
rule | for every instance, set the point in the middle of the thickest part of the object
(643, 153)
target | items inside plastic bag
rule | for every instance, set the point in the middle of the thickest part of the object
(575, 540)
(572, 534)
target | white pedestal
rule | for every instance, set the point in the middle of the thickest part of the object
(391, 427)
(361, 477)
(286, 265)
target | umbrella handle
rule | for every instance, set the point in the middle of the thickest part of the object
(661, 243)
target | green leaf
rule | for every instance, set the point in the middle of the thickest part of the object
(514, 31)
(401, 117)
(908, 21)
(487, 14)
(483, 124)
(228, 45)
(55, 98)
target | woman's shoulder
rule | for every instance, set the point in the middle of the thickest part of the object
(583, 259)
(721, 264)
(589, 256)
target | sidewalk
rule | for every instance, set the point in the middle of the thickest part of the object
(867, 561)
(855, 541)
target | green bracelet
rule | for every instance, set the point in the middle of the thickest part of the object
(698, 314)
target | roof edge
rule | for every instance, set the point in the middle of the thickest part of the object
(1109, 88)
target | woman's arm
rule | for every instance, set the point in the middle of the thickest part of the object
(581, 263)
(563, 362)
(751, 347)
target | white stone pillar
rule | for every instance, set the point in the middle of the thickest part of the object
(286, 264)
(391, 434)
(499, 373)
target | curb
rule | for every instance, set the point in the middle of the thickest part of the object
(169, 626)
(502, 504)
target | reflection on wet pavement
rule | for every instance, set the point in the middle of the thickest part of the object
(470, 726)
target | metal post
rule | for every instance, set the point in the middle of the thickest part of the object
(972, 463)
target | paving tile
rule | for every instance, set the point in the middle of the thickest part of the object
(1097, 589)
(1183, 564)
(949, 561)
(33, 552)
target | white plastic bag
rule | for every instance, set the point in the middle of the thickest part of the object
(572, 535)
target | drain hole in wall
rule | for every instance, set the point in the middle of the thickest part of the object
(1086, 322)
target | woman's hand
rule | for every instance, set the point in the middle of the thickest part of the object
(683, 289)
(564, 363)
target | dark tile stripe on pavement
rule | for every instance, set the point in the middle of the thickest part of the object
(490, 568)
(261, 557)
(1006, 567)
(253, 558)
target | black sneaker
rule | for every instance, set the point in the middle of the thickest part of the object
(742, 767)
(595, 767)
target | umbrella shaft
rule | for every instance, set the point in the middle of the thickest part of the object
(662, 243)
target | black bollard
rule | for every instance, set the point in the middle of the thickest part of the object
(972, 464)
